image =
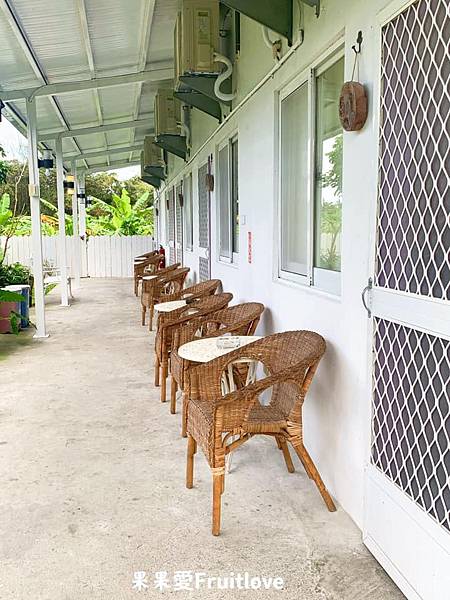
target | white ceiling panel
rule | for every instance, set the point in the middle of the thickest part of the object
(74, 40)
(79, 108)
(15, 71)
(117, 103)
(161, 38)
(113, 29)
(53, 30)
(118, 138)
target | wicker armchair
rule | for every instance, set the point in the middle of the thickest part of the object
(290, 359)
(241, 319)
(170, 283)
(204, 288)
(169, 322)
(147, 289)
(149, 265)
(146, 255)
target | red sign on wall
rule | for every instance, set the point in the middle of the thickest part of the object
(249, 247)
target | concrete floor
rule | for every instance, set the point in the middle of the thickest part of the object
(92, 479)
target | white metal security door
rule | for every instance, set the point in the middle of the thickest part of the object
(171, 225)
(407, 508)
(204, 218)
(179, 223)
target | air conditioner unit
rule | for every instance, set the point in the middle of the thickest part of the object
(167, 113)
(153, 155)
(197, 37)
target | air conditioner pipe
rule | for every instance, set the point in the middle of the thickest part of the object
(266, 38)
(222, 77)
(185, 124)
(275, 46)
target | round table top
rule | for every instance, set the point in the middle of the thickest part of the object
(206, 349)
(170, 306)
(148, 277)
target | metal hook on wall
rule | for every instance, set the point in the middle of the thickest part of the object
(359, 41)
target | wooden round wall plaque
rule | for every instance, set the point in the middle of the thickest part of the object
(353, 106)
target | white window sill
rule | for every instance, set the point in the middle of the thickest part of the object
(227, 262)
(309, 289)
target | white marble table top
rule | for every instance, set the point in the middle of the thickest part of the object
(148, 277)
(206, 349)
(170, 306)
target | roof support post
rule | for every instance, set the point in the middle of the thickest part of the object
(76, 231)
(82, 222)
(35, 207)
(61, 223)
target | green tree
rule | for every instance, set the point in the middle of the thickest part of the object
(3, 166)
(331, 212)
(333, 177)
(103, 186)
(122, 216)
(137, 188)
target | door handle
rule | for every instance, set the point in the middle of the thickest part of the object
(366, 291)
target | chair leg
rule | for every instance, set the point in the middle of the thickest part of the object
(184, 415)
(143, 313)
(191, 450)
(157, 367)
(150, 323)
(277, 439)
(136, 284)
(163, 381)
(217, 493)
(287, 457)
(173, 395)
(311, 468)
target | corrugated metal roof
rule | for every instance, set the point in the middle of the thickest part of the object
(77, 40)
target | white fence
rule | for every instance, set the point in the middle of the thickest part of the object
(100, 256)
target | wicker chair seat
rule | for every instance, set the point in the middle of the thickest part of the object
(261, 419)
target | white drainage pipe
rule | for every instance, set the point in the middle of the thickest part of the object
(222, 77)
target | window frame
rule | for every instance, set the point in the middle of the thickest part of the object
(315, 277)
(233, 259)
(189, 208)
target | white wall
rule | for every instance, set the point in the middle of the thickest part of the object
(337, 411)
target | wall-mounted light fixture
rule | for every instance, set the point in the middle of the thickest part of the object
(69, 185)
(46, 162)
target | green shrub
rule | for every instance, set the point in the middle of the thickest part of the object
(14, 274)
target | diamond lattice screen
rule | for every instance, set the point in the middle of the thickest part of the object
(414, 206)
(203, 208)
(411, 420)
(172, 226)
(179, 211)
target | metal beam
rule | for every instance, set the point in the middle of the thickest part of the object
(90, 58)
(75, 226)
(97, 153)
(157, 73)
(277, 16)
(199, 101)
(136, 124)
(61, 224)
(175, 144)
(114, 165)
(148, 10)
(36, 234)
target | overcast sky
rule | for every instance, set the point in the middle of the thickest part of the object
(15, 146)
